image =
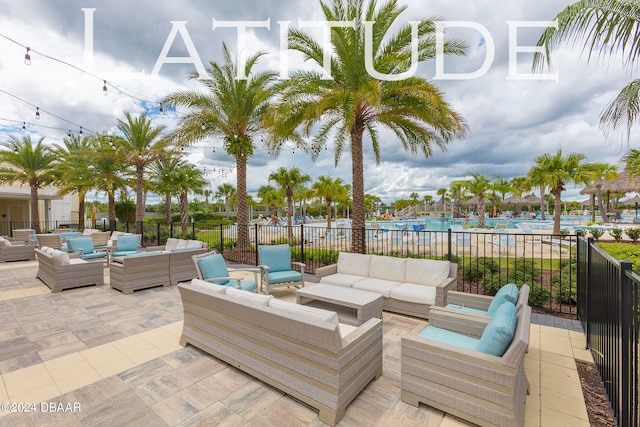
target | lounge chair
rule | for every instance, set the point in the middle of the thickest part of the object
(277, 269)
(211, 267)
(84, 246)
(50, 240)
(23, 234)
(503, 243)
(560, 245)
(100, 239)
(16, 251)
(127, 245)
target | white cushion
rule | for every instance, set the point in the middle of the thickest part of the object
(201, 284)
(194, 244)
(181, 244)
(376, 285)
(88, 231)
(426, 271)
(5, 242)
(346, 329)
(248, 298)
(341, 279)
(354, 264)
(303, 312)
(61, 257)
(410, 292)
(387, 268)
(172, 243)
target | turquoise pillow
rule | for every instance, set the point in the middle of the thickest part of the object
(277, 257)
(81, 243)
(128, 242)
(508, 292)
(182, 249)
(213, 266)
(499, 332)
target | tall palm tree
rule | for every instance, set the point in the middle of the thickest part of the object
(608, 27)
(560, 170)
(231, 109)
(350, 105)
(225, 192)
(287, 180)
(631, 159)
(109, 169)
(327, 188)
(480, 186)
(74, 168)
(456, 189)
(29, 163)
(442, 192)
(304, 193)
(142, 146)
(599, 172)
(269, 196)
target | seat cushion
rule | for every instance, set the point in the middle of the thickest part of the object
(508, 292)
(213, 266)
(303, 312)
(340, 279)
(410, 292)
(448, 337)
(284, 276)
(277, 257)
(124, 253)
(172, 243)
(376, 285)
(466, 309)
(201, 284)
(354, 264)
(95, 255)
(499, 332)
(388, 268)
(246, 285)
(426, 271)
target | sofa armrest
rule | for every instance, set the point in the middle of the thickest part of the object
(326, 270)
(458, 321)
(371, 330)
(465, 299)
(153, 248)
(443, 288)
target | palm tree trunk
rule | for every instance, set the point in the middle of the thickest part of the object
(139, 199)
(167, 208)
(81, 213)
(481, 212)
(184, 213)
(543, 215)
(289, 217)
(35, 214)
(112, 210)
(243, 210)
(603, 212)
(328, 215)
(557, 211)
(357, 180)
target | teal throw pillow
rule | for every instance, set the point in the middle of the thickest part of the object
(508, 292)
(213, 266)
(499, 332)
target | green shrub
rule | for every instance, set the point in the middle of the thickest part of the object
(633, 233)
(539, 296)
(597, 233)
(616, 233)
(324, 256)
(564, 285)
(475, 271)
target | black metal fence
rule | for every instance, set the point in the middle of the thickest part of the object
(608, 310)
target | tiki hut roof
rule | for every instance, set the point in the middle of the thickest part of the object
(622, 184)
(631, 201)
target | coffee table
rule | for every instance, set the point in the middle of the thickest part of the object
(353, 306)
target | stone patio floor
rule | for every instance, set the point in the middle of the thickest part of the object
(93, 356)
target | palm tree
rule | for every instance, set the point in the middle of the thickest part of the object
(162, 174)
(225, 192)
(108, 170)
(631, 159)
(371, 202)
(269, 196)
(456, 190)
(350, 105)
(27, 163)
(232, 109)
(304, 193)
(327, 188)
(599, 172)
(141, 146)
(74, 168)
(480, 187)
(187, 179)
(560, 170)
(287, 180)
(608, 27)
(442, 192)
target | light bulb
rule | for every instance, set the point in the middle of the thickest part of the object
(27, 57)
(24, 126)
(37, 113)
(104, 88)
(161, 110)
(80, 133)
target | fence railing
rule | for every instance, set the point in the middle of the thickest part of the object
(608, 310)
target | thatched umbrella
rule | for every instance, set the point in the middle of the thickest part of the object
(622, 184)
(632, 201)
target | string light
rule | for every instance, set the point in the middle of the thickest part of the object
(80, 133)
(37, 113)
(69, 133)
(161, 110)
(24, 126)
(104, 88)
(27, 57)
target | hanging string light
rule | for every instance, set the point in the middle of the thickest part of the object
(24, 126)
(161, 110)
(37, 113)
(27, 57)
(80, 133)
(104, 88)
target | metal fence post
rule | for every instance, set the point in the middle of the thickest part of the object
(158, 233)
(302, 243)
(255, 231)
(450, 234)
(628, 388)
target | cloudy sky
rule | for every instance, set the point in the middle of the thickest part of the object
(512, 120)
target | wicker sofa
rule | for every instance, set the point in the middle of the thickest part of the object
(181, 267)
(60, 272)
(16, 251)
(485, 389)
(302, 351)
(139, 271)
(409, 286)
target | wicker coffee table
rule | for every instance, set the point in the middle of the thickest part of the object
(353, 306)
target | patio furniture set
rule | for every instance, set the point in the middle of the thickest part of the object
(325, 349)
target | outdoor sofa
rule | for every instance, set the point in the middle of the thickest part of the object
(140, 270)
(16, 251)
(302, 351)
(181, 266)
(59, 272)
(409, 285)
